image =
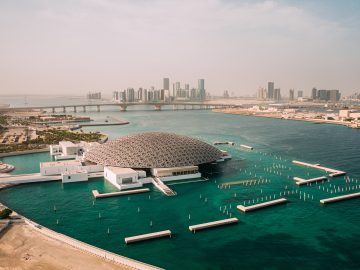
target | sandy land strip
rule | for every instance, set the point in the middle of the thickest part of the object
(23, 248)
(278, 115)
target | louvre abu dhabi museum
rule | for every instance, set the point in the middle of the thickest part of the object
(153, 150)
(133, 160)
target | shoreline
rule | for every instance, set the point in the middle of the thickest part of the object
(103, 139)
(315, 121)
(24, 152)
(46, 239)
(23, 247)
(117, 261)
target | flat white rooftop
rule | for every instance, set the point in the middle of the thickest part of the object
(66, 144)
(119, 170)
(60, 163)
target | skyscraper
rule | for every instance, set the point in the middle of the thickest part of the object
(314, 93)
(277, 94)
(201, 88)
(139, 94)
(291, 94)
(166, 84)
(334, 95)
(130, 95)
(144, 96)
(115, 96)
(271, 90)
(300, 94)
(329, 95)
(262, 93)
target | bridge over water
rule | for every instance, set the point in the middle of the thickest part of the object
(123, 106)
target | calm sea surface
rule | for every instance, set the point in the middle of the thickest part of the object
(300, 235)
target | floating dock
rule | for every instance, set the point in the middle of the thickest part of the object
(98, 195)
(246, 147)
(230, 143)
(261, 205)
(340, 198)
(194, 228)
(300, 181)
(147, 236)
(333, 172)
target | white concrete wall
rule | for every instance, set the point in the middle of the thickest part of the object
(54, 170)
(93, 168)
(74, 177)
(141, 174)
(55, 149)
(70, 150)
(117, 179)
(180, 177)
(110, 176)
(145, 180)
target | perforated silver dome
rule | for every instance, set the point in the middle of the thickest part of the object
(153, 150)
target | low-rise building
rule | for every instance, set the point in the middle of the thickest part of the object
(70, 150)
(78, 175)
(59, 167)
(122, 178)
(176, 173)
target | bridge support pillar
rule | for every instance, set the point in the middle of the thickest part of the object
(98, 108)
(192, 107)
(157, 107)
(123, 108)
(74, 108)
(84, 108)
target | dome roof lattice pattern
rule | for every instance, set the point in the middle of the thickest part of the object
(153, 150)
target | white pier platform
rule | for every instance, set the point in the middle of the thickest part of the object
(147, 236)
(246, 146)
(300, 181)
(37, 177)
(261, 205)
(162, 187)
(217, 223)
(224, 142)
(333, 172)
(98, 195)
(340, 198)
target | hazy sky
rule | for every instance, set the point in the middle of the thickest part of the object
(72, 47)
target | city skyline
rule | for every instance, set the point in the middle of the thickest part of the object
(63, 48)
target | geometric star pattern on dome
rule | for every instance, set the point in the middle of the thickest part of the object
(153, 150)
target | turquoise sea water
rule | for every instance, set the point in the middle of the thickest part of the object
(300, 235)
